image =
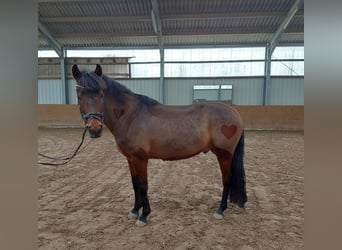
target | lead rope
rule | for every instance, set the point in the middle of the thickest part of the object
(67, 159)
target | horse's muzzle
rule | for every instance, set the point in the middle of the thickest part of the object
(94, 123)
(95, 128)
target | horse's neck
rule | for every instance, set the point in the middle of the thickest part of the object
(119, 114)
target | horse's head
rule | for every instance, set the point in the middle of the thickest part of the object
(89, 88)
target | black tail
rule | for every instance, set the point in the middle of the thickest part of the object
(237, 183)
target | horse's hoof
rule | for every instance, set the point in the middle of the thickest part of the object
(132, 216)
(218, 216)
(240, 210)
(140, 223)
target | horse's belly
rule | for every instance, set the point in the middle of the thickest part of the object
(178, 138)
(177, 149)
(173, 156)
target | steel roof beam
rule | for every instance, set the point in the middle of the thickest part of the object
(52, 41)
(277, 35)
(81, 19)
(194, 16)
(175, 46)
(168, 33)
(157, 24)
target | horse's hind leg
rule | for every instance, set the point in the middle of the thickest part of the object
(138, 168)
(225, 161)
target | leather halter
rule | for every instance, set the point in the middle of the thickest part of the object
(92, 115)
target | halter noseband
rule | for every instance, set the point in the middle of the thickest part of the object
(93, 115)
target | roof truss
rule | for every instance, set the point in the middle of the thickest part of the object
(134, 23)
(277, 35)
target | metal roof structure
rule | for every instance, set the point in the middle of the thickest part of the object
(168, 23)
(110, 24)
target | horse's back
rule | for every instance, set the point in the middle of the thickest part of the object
(197, 115)
(172, 112)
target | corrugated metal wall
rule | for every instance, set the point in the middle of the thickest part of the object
(246, 91)
(51, 92)
(285, 91)
(149, 87)
(72, 91)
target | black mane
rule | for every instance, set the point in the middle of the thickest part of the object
(146, 100)
(118, 91)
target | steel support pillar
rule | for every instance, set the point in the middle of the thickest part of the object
(161, 81)
(267, 77)
(64, 78)
(158, 30)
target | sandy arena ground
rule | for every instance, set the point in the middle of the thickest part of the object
(84, 205)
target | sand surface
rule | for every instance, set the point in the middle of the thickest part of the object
(84, 205)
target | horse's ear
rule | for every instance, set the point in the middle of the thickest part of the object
(76, 72)
(98, 70)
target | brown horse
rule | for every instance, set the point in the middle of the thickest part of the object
(144, 129)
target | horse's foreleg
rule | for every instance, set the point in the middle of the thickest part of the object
(225, 161)
(137, 200)
(138, 168)
(146, 210)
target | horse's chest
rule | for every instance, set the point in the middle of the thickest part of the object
(127, 146)
(123, 144)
